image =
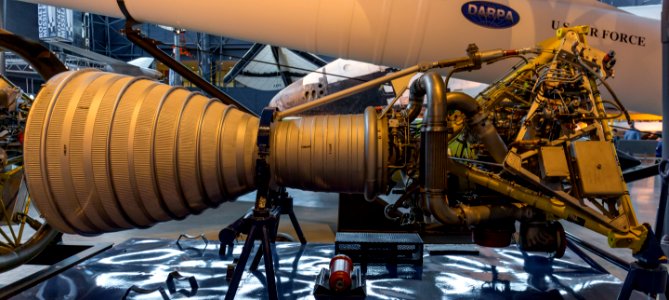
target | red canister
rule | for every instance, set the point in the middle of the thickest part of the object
(341, 267)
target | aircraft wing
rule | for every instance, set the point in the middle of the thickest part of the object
(115, 65)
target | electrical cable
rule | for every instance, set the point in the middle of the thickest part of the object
(608, 87)
(615, 106)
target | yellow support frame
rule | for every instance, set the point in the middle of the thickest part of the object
(623, 231)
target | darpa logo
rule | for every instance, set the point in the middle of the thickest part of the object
(490, 14)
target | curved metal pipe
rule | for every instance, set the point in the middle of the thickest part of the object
(477, 120)
(436, 114)
(11, 258)
(415, 102)
(464, 103)
(435, 144)
(441, 211)
(434, 132)
(433, 86)
(472, 215)
(435, 155)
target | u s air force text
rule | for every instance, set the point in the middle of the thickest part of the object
(605, 34)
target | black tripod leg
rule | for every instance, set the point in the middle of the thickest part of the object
(273, 236)
(241, 265)
(661, 210)
(256, 259)
(276, 228)
(298, 229)
(628, 285)
(269, 267)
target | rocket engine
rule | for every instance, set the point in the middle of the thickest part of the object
(107, 152)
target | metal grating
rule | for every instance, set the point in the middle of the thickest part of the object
(394, 248)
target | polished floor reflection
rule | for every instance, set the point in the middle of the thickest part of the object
(481, 273)
(317, 213)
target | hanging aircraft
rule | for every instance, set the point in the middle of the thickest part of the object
(399, 33)
(336, 76)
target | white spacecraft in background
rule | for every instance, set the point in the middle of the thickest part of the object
(399, 33)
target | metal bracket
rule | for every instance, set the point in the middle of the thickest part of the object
(266, 119)
(143, 291)
(262, 176)
(647, 274)
(191, 237)
(176, 276)
(171, 286)
(45, 62)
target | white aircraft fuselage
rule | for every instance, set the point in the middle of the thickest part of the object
(402, 33)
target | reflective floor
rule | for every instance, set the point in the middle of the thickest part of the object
(317, 213)
(457, 272)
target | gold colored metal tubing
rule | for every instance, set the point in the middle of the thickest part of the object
(10, 247)
(625, 200)
(4, 177)
(25, 217)
(548, 204)
(9, 240)
(4, 212)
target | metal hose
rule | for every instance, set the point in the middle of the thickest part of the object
(478, 122)
(471, 215)
(435, 152)
(415, 102)
(434, 131)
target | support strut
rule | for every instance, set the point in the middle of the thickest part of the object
(263, 220)
(150, 45)
(648, 274)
